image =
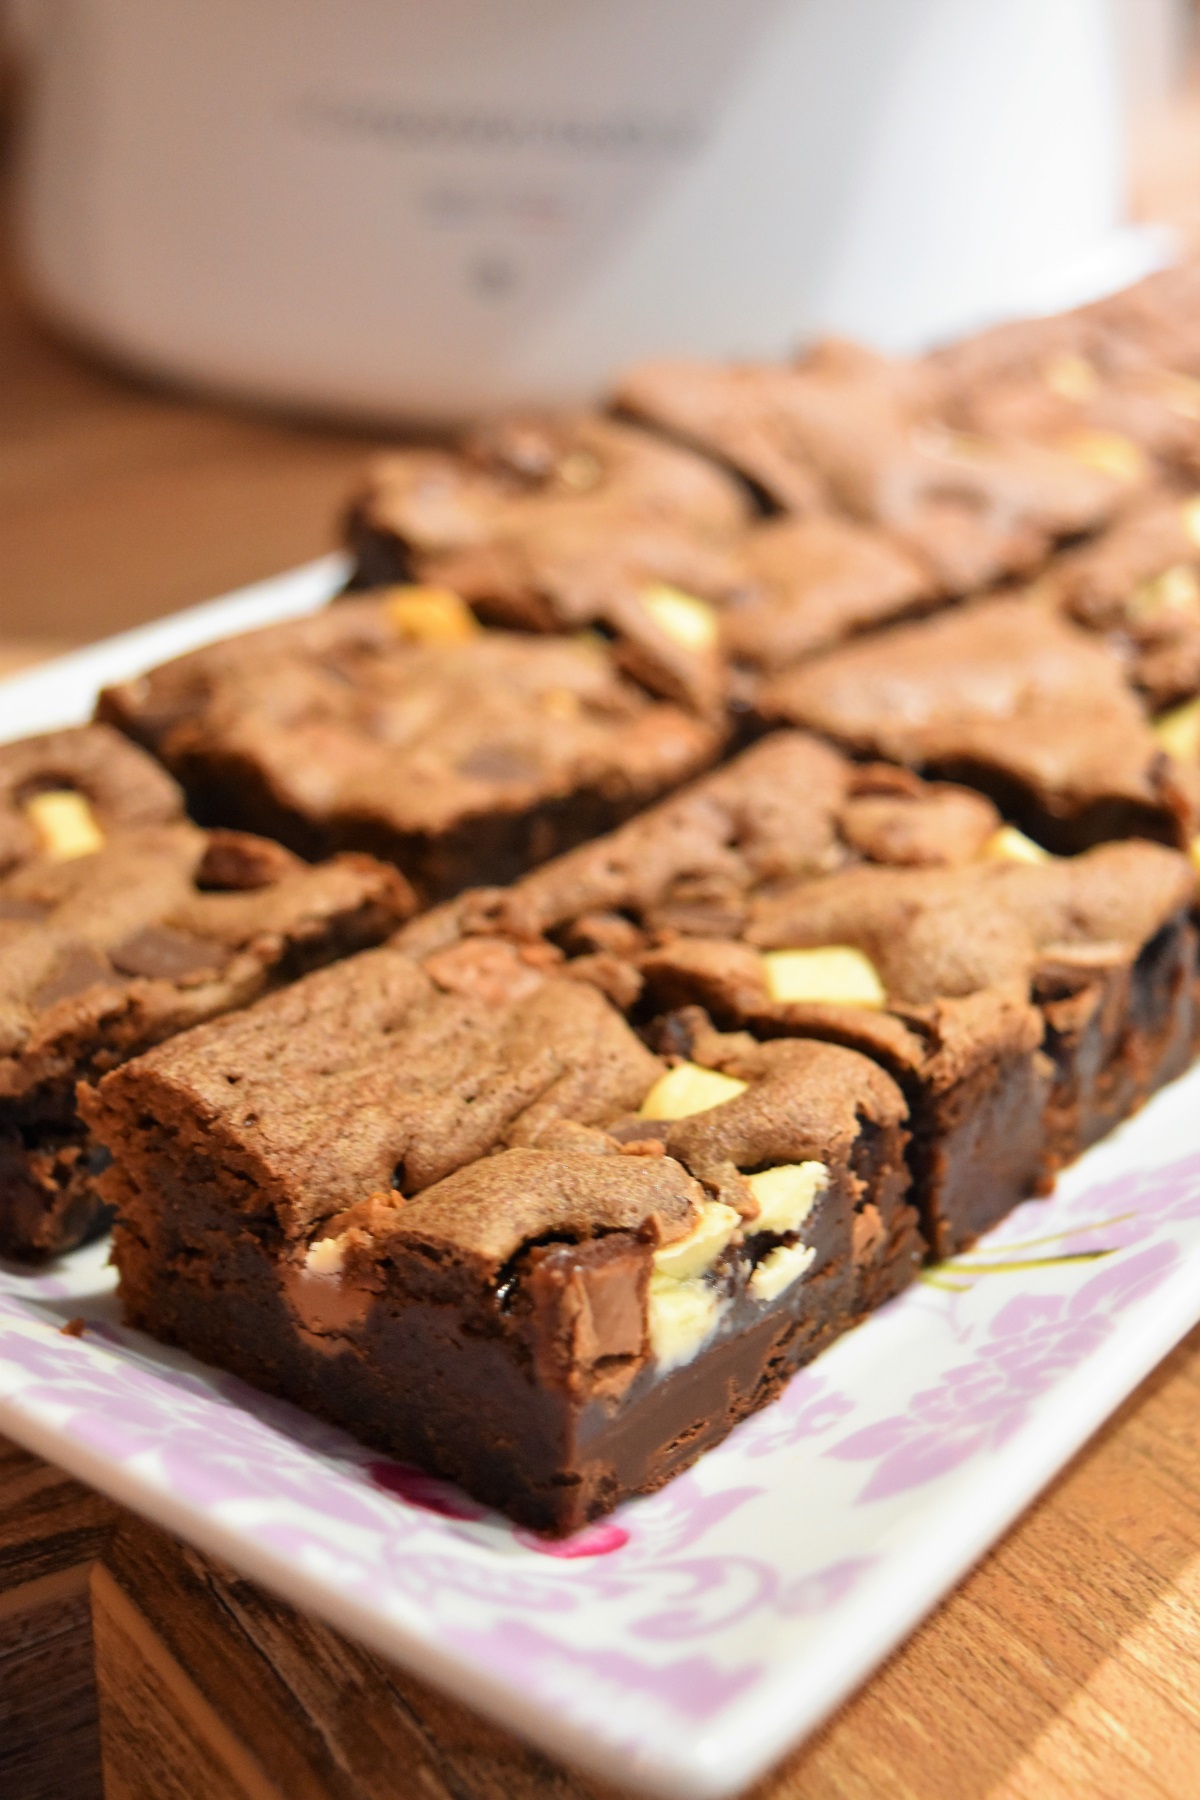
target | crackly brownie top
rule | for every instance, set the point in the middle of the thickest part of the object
(814, 581)
(346, 722)
(66, 792)
(372, 1076)
(788, 806)
(951, 932)
(850, 429)
(164, 925)
(1004, 690)
(559, 524)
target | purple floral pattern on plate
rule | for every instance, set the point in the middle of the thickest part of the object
(679, 1611)
(685, 1642)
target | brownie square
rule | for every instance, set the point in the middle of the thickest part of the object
(1009, 697)
(560, 524)
(105, 953)
(462, 762)
(846, 429)
(494, 1235)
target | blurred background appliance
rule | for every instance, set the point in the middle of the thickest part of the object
(399, 208)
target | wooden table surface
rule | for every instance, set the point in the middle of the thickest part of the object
(1067, 1665)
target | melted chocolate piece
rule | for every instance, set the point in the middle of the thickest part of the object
(12, 907)
(161, 953)
(79, 969)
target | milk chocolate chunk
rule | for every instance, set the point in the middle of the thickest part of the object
(461, 762)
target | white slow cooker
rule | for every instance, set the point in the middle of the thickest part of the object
(424, 207)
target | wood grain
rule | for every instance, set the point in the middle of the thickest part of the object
(1068, 1665)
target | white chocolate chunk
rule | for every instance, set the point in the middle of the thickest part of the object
(1010, 845)
(1071, 377)
(325, 1258)
(836, 973)
(682, 1315)
(431, 615)
(64, 824)
(1178, 731)
(1182, 395)
(1190, 513)
(698, 1251)
(778, 1270)
(690, 621)
(1194, 853)
(1107, 451)
(1176, 590)
(688, 1089)
(787, 1194)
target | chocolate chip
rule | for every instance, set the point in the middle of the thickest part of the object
(499, 762)
(12, 908)
(164, 954)
(76, 971)
(234, 861)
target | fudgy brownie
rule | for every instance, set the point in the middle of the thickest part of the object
(108, 951)
(490, 1232)
(847, 429)
(557, 524)
(1007, 696)
(1024, 1004)
(64, 793)
(462, 762)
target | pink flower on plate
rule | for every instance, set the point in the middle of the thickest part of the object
(1030, 1344)
(594, 1540)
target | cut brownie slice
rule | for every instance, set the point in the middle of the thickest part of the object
(848, 429)
(64, 793)
(462, 762)
(1009, 697)
(497, 1237)
(561, 524)
(106, 953)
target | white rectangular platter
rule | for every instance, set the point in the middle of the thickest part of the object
(682, 1646)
